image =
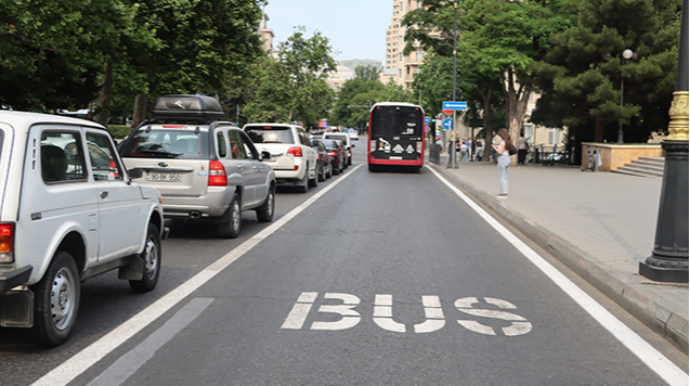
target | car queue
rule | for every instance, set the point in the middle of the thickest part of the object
(66, 179)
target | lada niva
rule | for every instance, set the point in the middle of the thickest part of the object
(68, 211)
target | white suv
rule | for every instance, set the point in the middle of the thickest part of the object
(294, 160)
(68, 212)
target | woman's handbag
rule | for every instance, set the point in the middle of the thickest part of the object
(512, 151)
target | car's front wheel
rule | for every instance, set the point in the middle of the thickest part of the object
(152, 261)
(57, 301)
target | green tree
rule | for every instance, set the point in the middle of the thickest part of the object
(204, 43)
(367, 72)
(294, 88)
(582, 73)
(52, 53)
(502, 38)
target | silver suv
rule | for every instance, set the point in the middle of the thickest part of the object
(204, 168)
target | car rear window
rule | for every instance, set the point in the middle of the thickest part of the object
(339, 137)
(167, 143)
(270, 134)
(330, 144)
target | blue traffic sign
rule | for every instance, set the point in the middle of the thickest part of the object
(454, 106)
(427, 120)
(448, 124)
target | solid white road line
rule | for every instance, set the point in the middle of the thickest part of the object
(656, 361)
(83, 360)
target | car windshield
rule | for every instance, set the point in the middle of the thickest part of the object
(270, 134)
(167, 144)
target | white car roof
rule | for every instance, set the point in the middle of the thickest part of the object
(24, 119)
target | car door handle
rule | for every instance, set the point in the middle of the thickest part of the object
(104, 194)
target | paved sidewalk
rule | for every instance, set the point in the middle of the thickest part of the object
(599, 224)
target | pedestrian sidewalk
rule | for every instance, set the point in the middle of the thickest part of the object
(601, 225)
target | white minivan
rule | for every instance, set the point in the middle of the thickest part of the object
(68, 211)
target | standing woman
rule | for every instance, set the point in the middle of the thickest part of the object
(503, 154)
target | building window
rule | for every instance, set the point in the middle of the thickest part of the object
(528, 131)
(419, 55)
(554, 136)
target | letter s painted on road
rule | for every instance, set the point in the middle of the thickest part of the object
(519, 325)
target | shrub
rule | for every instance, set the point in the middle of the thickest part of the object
(118, 131)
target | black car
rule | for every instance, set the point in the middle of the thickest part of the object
(325, 168)
(336, 152)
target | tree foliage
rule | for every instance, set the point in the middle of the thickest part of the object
(293, 87)
(582, 73)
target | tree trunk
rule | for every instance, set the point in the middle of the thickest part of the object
(599, 131)
(105, 96)
(139, 110)
(488, 127)
(516, 107)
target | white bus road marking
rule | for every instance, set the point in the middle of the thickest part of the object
(656, 361)
(383, 314)
(83, 360)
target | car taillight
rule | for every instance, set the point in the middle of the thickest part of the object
(319, 155)
(333, 154)
(113, 169)
(216, 174)
(6, 243)
(295, 151)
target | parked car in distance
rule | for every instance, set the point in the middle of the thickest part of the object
(336, 152)
(292, 157)
(68, 211)
(354, 135)
(206, 169)
(344, 138)
(326, 168)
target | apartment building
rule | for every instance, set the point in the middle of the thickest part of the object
(399, 67)
(267, 37)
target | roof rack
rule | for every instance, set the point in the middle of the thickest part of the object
(186, 108)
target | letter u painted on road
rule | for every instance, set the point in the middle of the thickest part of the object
(383, 315)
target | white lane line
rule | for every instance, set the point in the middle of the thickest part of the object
(656, 361)
(124, 367)
(83, 360)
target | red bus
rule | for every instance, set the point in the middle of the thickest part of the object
(396, 136)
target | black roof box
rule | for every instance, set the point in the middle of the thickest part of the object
(187, 107)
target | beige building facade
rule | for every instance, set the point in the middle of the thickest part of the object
(399, 67)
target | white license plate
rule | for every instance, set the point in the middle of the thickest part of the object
(164, 177)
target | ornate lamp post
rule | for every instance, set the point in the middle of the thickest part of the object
(627, 55)
(669, 259)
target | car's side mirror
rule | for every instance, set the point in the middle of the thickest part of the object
(265, 155)
(135, 173)
(353, 145)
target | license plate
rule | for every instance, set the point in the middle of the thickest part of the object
(164, 177)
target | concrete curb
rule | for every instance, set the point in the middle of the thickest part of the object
(622, 289)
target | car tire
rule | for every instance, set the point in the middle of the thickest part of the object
(314, 182)
(322, 173)
(264, 213)
(303, 184)
(152, 261)
(232, 219)
(59, 289)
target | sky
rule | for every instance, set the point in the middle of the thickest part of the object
(356, 28)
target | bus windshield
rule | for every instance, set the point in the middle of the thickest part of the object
(394, 121)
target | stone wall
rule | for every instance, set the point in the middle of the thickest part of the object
(614, 156)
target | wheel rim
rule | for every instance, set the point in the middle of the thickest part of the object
(63, 294)
(236, 216)
(151, 259)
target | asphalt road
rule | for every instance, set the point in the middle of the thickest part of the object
(385, 279)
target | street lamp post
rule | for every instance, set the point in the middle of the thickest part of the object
(452, 160)
(669, 259)
(627, 55)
